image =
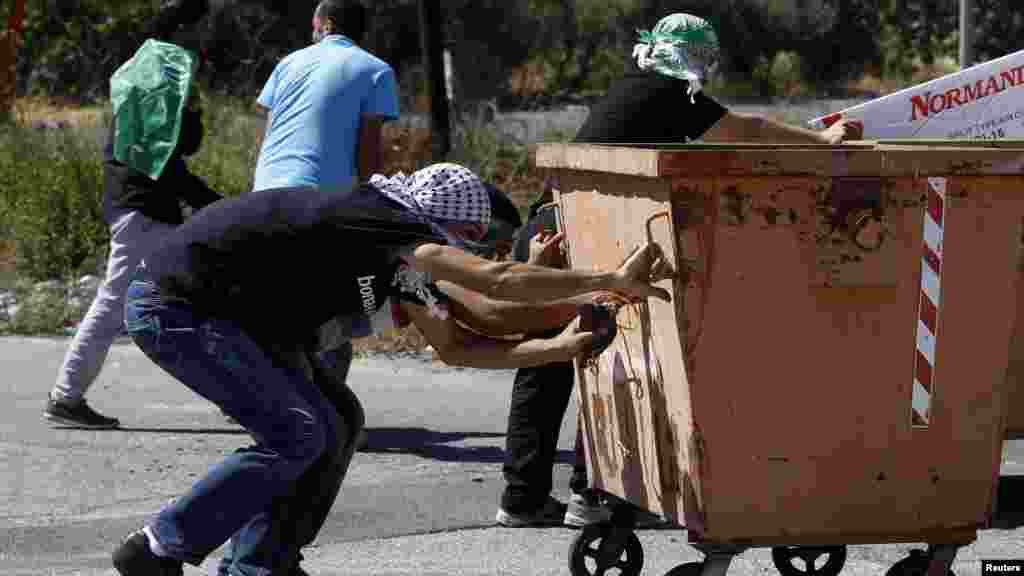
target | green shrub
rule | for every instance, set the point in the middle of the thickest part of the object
(479, 145)
(47, 311)
(782, 75)
(51, 198)
(227, 158)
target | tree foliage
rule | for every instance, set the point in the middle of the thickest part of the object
(523, 52)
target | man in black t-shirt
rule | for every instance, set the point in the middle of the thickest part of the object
(229, 297)
(658, 100)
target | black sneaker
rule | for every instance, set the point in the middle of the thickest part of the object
(77, 414)
(297, 570)
(134, 558)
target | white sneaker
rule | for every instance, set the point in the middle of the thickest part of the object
(551, 514)
(586, 509)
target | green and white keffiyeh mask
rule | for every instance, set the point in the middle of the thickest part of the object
(681, 46)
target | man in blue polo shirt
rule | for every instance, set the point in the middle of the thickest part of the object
(326, 104)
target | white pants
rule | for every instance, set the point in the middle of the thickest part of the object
(132, 237)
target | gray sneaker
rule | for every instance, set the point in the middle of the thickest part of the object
(586, 509)
(77, 414)
(590, 508)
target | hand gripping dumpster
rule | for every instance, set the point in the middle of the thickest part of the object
(831, 369)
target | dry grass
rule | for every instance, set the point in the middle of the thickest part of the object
(28, 111)
(528, 80)
(873, 84)
(7, 274)
(405, 149)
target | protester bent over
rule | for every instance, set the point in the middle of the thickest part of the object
(198, 307)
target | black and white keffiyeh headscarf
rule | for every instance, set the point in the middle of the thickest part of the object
(439, 194)
(443, 193)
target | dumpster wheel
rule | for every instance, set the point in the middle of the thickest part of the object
(783, 557)
(915, 564)
(599, 548)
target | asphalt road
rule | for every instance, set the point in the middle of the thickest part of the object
(420, 500)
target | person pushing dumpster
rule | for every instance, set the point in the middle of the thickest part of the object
(659, 100)
(198, 308)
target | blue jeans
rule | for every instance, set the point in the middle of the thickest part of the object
(268, 531)
(272, 498)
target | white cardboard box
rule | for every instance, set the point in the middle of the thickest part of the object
(985, 101)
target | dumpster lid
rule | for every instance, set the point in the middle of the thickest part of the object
(855, 158)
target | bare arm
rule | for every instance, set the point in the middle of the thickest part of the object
(528, 283)
(369, 148)
(735, 127)
(264, 126)
(459, 347)
(505, 318)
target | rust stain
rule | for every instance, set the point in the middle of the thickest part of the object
(968, 167)
(775, 214)
(836, 209)
(697, 449)
(688, 208)
(601, 429)
(736, 206)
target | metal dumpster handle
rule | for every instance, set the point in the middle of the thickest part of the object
(652, 218)
(868, 231)
(859, 205)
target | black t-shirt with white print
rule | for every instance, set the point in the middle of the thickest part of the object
(282, 262)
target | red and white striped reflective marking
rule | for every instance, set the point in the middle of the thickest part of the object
(929, 304)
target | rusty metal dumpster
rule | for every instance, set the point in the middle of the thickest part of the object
(832, 367)
(1015, 371)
